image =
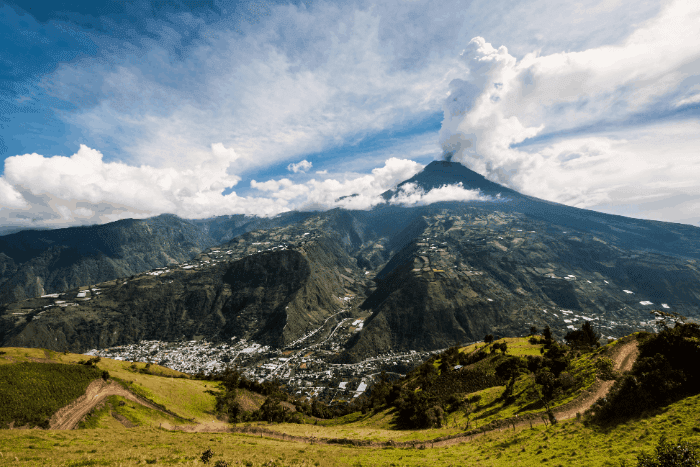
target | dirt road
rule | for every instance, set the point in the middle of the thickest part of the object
(624, 357)
(69, 416)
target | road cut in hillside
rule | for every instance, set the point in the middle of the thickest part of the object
(69, 416)
(624, 357)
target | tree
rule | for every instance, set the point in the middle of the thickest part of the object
(547, 333)
(504, 347)
(468, 407)
(445, 365)
(546, 390)
(510, 370)
(584, 338)
(272, 410)
(668, 317)
(533, 330)
(534, 363)
(420, 410)
(555, 358)
(488, 338)
(380, 392)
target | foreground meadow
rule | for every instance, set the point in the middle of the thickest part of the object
(568, 443)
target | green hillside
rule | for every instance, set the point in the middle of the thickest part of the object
(477, 426)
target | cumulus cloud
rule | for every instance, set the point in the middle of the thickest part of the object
(77, 187)
(83, 188)
(302, 166)
(410, 194)
(568, 100)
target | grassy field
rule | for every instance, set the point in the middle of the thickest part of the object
(569, 443)
(117, 412)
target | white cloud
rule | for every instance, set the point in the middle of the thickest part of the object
(302, 166)
(503, 101)
(85, 189)
(357, 192)
(10, 198)
(86, 179)
(186, 123)
(260, 95)
(410, 194)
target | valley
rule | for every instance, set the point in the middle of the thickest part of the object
(482, 262)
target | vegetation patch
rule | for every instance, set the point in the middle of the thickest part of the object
(30, 393)
(666, 370)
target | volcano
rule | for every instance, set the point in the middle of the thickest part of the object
(422, 277)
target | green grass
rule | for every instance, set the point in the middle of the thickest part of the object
(567, 444)
(106, 441)
(31, 392)
(103, 416)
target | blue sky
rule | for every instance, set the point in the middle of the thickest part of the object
(134, 108)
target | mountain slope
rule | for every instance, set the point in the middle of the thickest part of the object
(34, 263)
(273, 298)
(471, 272)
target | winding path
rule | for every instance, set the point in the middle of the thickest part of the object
(69, 416)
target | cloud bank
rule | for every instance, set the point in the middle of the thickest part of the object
(82, 187)
(410, 194)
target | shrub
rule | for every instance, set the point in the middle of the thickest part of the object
(207, 455)
(678, 454)
(605, 369)
(583, 338)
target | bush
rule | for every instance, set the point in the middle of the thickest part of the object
(678, 454)
(207, 455)
(605, 367)
(584, 338)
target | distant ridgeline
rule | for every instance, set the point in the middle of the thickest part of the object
(429, 276)
(39, 262)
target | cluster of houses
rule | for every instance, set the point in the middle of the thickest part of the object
(306, 372)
